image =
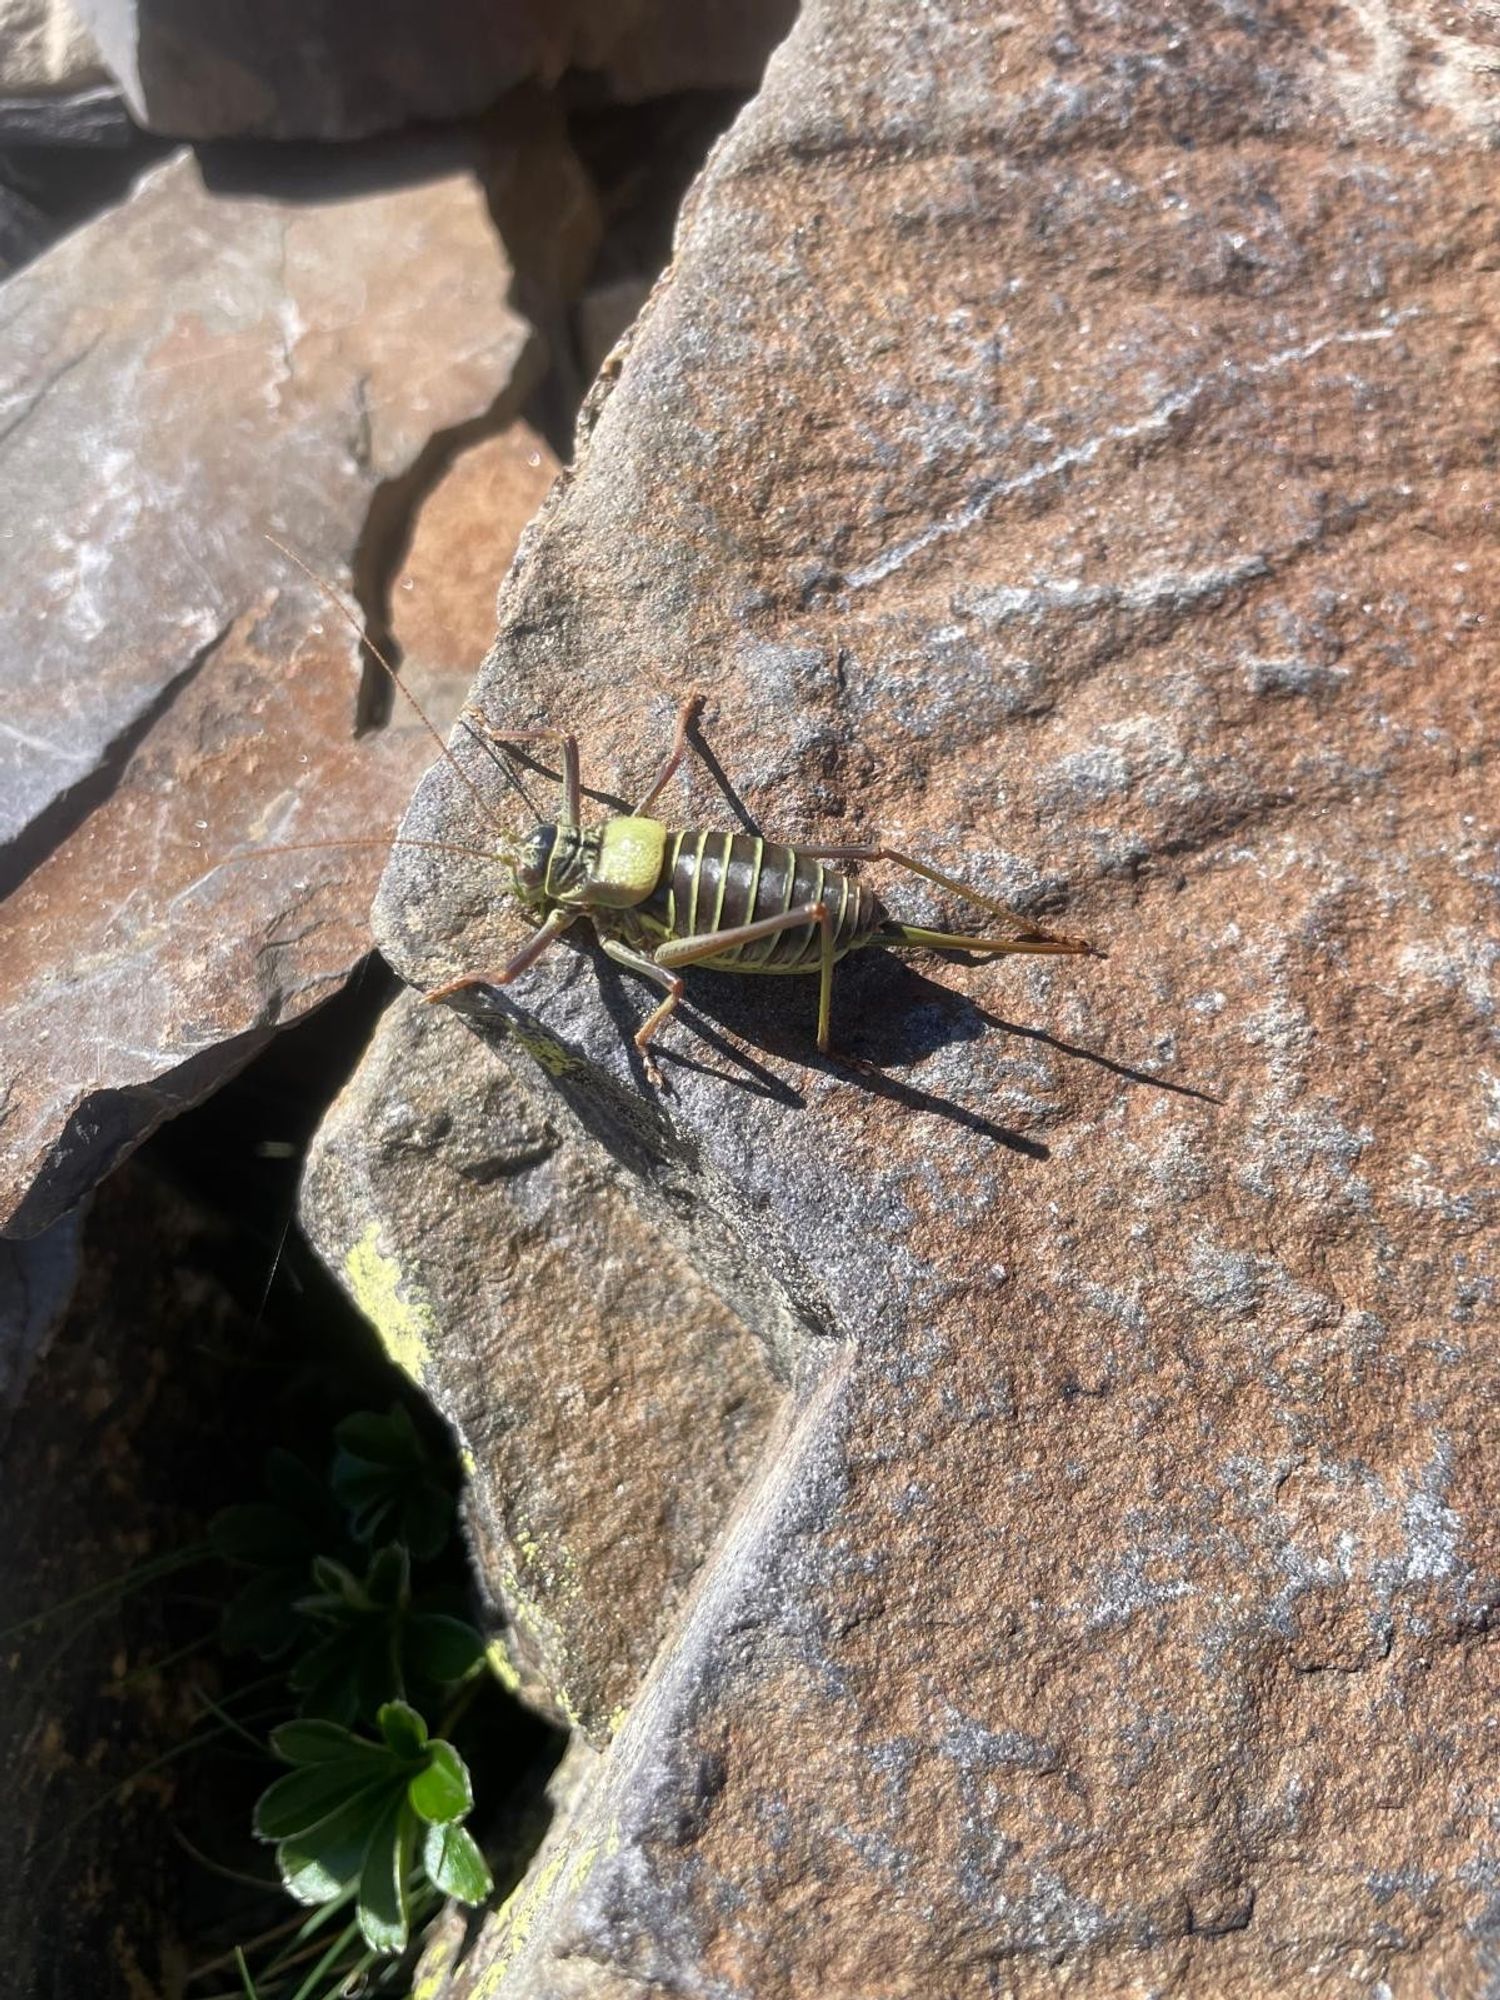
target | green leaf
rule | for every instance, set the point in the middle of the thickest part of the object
(389, 1579)
(380, 1677)
(389, 1440)
(442, 1792)
(264, 1617)
(301, 1799)
(382, 1880)
(441, 1649)
(454, 1864)
(322, 1863)
(426, 1521)
(338, 1584)
(386, 1480)
(327, 1677)
(403, 1729)
(320, 1743)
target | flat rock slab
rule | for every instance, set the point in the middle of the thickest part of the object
(186, 376)
(1066, 446)
(189, 373)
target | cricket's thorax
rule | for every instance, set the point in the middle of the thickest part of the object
(608, 867)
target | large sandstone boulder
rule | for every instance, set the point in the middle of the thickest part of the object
(1064, 444)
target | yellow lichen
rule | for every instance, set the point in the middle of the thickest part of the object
(545, 1049)
(502, 1666)
(437, 1963)
(405, 1326)
(515, 1918)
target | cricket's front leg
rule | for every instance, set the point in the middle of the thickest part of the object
(557, 922)
(687, 715)
(572, 785)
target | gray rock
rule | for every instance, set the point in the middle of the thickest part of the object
(597, 1374)
(45, 50)
(182, 378)
(24, 230)
(95, 117)
(1062, 445)
(36, 1285)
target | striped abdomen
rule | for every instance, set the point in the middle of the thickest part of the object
(718, 881)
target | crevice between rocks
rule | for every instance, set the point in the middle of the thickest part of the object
(390, 521)
(112, 1121)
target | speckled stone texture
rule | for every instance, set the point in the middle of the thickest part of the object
(199, 369)
(610, 1406)
(1065, 444)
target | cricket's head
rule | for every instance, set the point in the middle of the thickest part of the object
(532, 863)
(554, 867)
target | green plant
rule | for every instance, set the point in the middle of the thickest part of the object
(386, 1482)
(277, 1540)
(360, 1817)
(346, 1582)
(371, 1641)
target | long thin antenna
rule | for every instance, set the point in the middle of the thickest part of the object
(359, 840)
(500, 764)
(375, 653)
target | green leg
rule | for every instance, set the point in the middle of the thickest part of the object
(709, 944)
(1029, 929)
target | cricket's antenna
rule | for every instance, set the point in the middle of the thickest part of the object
(360, 840)
(503, 768)
(369, 644)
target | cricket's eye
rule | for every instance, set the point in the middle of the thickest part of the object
(531, 869)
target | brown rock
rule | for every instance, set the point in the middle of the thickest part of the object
(1065, 444)
(443, 601)
(442, 1199)
(188, 375)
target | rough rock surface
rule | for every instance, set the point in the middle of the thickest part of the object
(622, 1453)
(185, 376)
(45, 49)
(205, 69)
(442, 608)
(1065, 443)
